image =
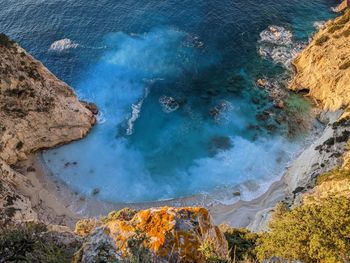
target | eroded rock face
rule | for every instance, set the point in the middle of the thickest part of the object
(323, 68)
(14, 206)
(37, 110)
(167, 233)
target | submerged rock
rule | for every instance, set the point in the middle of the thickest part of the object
(217, 111)
(219, 143)
(168, 104)
(275, 91)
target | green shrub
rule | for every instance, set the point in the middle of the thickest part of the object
(125, 214)
(207, 249)
(241, 244)
(334, 175)
(321, 40)
(26, 244)
(310, 233)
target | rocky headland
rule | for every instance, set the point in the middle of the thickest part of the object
(38, 111)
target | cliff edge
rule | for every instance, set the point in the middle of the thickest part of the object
(323, 68)
(37, 110)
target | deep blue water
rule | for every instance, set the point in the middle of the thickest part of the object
(201, 53)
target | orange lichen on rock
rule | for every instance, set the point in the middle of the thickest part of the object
(170, 233)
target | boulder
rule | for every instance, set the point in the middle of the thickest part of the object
(168, 234)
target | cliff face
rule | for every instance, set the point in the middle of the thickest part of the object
(14, 206)
(37, 110)
(323, 68)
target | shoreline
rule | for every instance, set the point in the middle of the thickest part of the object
(61, 205)
(55, 202)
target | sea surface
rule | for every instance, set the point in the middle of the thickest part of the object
(180, 113)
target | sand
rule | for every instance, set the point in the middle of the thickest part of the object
(57, 204)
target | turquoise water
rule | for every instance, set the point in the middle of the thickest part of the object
(174, 82)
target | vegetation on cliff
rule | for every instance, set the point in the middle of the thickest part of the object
(316, 231)
(310, 233)
(32, 242)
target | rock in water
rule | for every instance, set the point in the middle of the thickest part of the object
(63, 44)
(168, 234)
(276, 35)
(276, 43)
(168, 104)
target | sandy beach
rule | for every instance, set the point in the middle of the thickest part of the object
(57, 203)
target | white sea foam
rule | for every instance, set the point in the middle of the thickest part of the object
(276, 35)
(123, 170)
(276, 43)
(319, 24)
(63, 44)
(135, 113)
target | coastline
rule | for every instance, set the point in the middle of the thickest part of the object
(56, 203)
(64, 206)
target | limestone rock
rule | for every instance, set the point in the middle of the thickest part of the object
(167, 233)
(323, 68)
(14, 206)
(37, 110)
(98, 247)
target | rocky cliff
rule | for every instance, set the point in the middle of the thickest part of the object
(323, 71)
(164, 234)
(37, 110)
(323, 68)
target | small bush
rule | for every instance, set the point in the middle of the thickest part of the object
(26, 244)
(84, 226)
(207, 249)
(321, 40)
(242, 244)
(125, 214)
(334, 175)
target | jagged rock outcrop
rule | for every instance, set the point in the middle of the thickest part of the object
(37, 110)
(14, 206)
(344, 5)
(323, 68)
(168, 234)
